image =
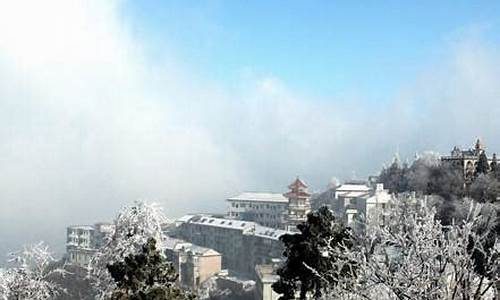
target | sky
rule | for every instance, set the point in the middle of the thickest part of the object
(188, 103)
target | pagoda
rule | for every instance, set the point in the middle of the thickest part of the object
(298, 204)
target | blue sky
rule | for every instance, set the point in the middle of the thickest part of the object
(325, 49)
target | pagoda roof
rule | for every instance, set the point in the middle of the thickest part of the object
(297, 183)
(297, 194)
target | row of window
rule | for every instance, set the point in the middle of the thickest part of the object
(259, 206)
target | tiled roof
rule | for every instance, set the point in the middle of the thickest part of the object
(298, 183)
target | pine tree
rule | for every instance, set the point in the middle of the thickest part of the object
(310, 257)
(482, 164)
(146, 276)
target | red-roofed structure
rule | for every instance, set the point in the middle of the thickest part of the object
(298, 204)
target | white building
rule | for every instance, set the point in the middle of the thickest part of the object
(267, 209)
(82, 242)
(357, 201)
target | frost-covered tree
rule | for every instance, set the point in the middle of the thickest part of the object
(411, 255)
(29, 277)
(133, 226)
(4, 284)
(394, 177)
(485, 188)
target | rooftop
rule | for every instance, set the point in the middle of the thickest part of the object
(251, 227)
(178, 244)
(266, 273)
(354, 187)
(268, 232)
(260, 197)
(223, 223)
(82, 227)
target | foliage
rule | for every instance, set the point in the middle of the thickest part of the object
(134, 225)
(310, 261)
(395, 177)
(413, 256)
(75, 282)
(485, 188)
(29, 276)
(146, 276)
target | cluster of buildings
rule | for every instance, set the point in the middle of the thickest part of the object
(245, 243)
(243, 248)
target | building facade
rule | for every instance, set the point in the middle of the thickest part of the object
(82, 242)
(193, 263)
(357, 202)
(267, 209)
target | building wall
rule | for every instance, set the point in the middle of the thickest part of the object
(270, 214)
(355, 206)
(209, 266)
(82, 242)
(222, 240)
(241, 249)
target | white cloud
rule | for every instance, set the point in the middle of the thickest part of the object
(88, 123)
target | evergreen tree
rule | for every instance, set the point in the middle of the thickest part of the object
(482, 164)
(146, 276)
(311, 257)
(494, 164)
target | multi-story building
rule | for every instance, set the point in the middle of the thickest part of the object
(358, 201)
(267, 209)
(193, 263)
(82, 242)
(466, 160)
(243, 244)
(298, 204)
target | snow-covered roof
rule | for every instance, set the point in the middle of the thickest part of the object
(353, 187)
(223, 223)
(268, 232)
(178, 244)
(185, 218)
(260, 197)
(173, 243)
(245, 226)
(198, 250)
(82, 227)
